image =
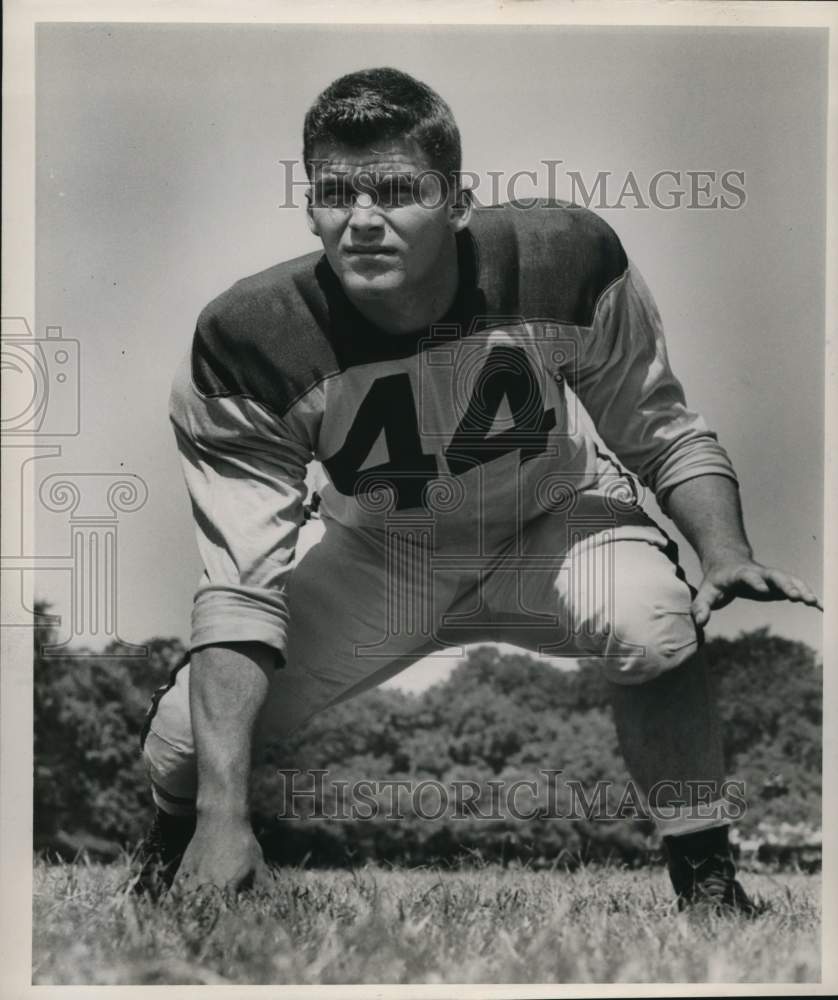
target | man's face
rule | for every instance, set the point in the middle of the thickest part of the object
(385, 218)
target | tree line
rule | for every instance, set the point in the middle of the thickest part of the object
(509, 759)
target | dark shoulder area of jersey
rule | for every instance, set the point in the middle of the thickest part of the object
(275, 335)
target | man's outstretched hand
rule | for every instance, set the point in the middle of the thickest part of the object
(223, 855)
(725, 581)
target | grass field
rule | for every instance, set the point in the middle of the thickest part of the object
(596, 925)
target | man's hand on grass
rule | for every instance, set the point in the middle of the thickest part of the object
(223, 855)
(728, 579)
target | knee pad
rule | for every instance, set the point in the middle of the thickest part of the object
(642, 649)
(168, 747)
(173, 774)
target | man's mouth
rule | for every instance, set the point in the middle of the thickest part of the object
(370, 251)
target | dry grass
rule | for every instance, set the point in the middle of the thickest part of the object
(596, 925)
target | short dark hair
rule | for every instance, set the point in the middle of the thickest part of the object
(372, 105)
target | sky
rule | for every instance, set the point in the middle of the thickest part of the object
(162, 177)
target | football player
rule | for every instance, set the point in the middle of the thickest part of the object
(433, 357)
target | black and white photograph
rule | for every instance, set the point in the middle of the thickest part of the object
(414, 444)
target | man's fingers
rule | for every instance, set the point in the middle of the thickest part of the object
(264, 880)
(755, 580)
(794, 588)
(760, 583)
(705, 600)
(701, 612)
(785, 582)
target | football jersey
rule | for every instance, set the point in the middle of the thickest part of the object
(461, 432)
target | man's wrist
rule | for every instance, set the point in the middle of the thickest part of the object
(222, 809)
(725, 555)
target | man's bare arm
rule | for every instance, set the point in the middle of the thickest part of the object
(227, 689)
(708, 511)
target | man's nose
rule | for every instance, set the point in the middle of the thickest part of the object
(365, 213)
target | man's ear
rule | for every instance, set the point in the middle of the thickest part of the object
(312, 224)
(461, 206)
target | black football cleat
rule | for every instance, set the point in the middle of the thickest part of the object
(161, 851)
(703, 874)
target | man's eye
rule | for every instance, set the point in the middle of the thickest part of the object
(393, 192)
(333, 196)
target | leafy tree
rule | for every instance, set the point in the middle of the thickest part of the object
(88, 712)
